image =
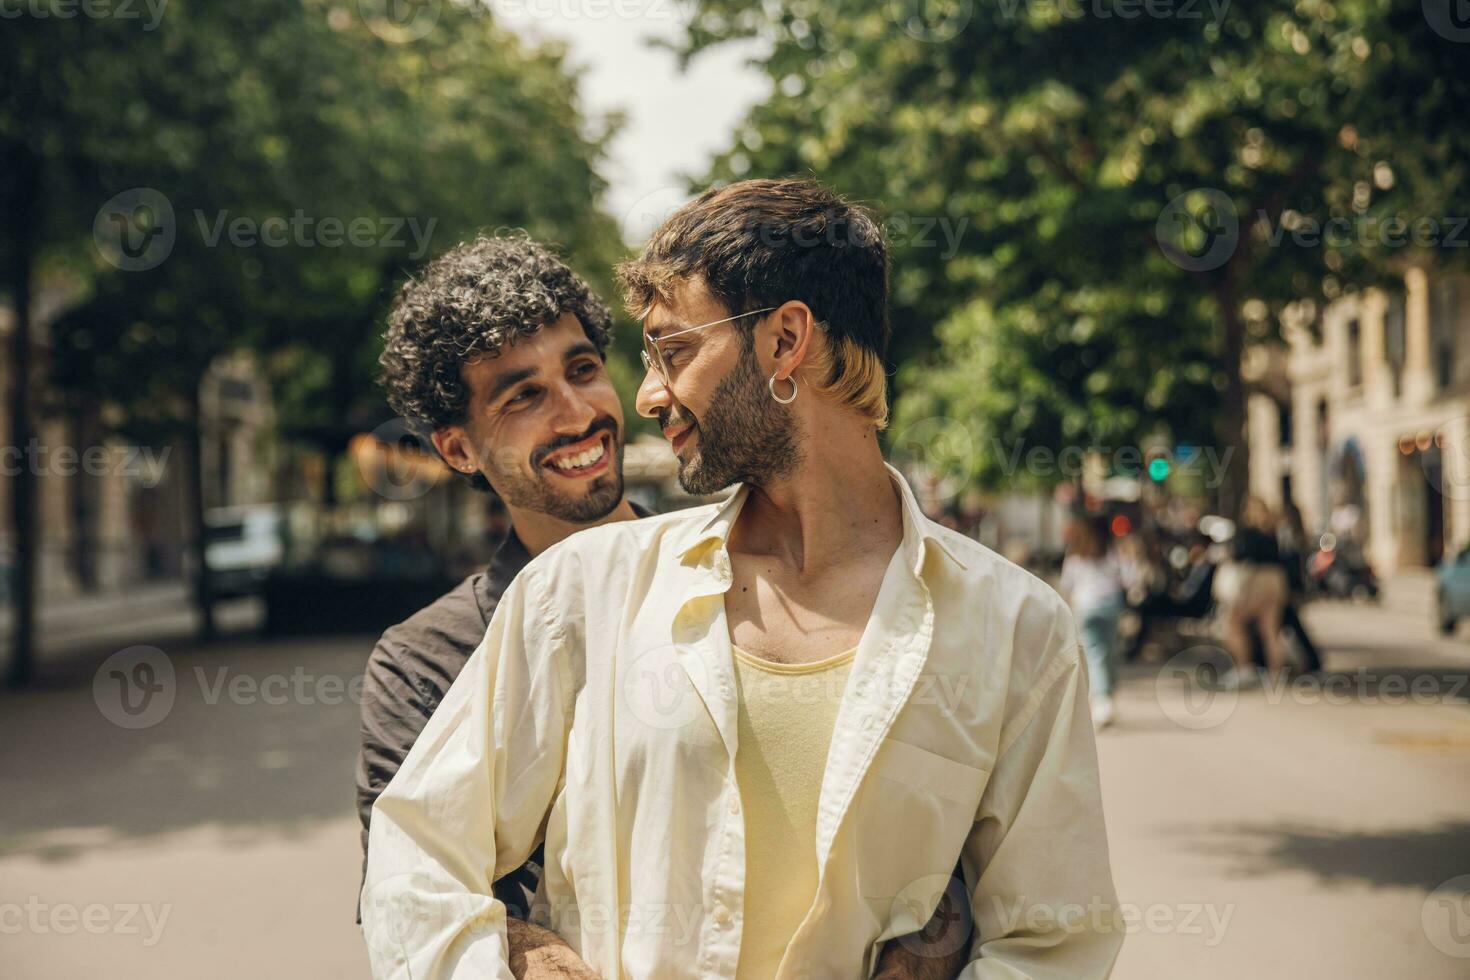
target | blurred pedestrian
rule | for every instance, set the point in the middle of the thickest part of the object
(1291, 539)
(1092, 583)
(1252, 591)
(1190, 599)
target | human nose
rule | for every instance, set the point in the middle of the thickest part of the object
(574, 413)
(653, 393)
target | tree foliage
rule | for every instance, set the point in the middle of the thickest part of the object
(1119, 176)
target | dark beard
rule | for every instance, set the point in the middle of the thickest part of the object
(744, 437)
(536, 493)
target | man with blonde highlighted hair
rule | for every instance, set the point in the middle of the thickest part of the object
(778, 735)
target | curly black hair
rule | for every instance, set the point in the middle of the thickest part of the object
(465, 305)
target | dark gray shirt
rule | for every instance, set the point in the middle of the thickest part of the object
(408, 674)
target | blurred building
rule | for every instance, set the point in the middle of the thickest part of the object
(112, 512)
(1363, 420)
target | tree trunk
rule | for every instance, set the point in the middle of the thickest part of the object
(1235, 481)
(203, 584)
(22, 214)
(83, 502)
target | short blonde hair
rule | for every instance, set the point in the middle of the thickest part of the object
(845, 370)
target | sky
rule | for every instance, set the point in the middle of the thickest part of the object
(676, 121)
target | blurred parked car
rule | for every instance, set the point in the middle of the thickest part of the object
(1452, 590)
(355, 583)
(242, 545)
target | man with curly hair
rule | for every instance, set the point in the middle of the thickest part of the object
(757, 737)
(497, 349)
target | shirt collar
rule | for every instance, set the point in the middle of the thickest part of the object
(712, 533)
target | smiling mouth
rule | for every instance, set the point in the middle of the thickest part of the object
(678, 438)
(582, 459)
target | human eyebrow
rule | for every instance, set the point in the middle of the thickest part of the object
(578, 350)
(657, 332)
(509, 380)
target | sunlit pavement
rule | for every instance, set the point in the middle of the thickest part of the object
(1306, 831)
(1297, 834)
(220, 842)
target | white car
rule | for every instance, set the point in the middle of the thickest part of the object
(242, 546)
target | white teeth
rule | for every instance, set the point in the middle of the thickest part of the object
(581, 459)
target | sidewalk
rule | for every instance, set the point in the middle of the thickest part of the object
(149, 612)
(1409, 592)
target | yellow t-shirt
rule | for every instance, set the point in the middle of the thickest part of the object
(787, 713)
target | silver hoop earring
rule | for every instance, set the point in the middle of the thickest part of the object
(771, 384)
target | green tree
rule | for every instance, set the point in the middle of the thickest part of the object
(1119, 176)
(280, 166)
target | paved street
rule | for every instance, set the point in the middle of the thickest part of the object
(1319, 819)
(1296, 834)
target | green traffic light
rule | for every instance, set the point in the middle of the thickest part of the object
(1158, 469)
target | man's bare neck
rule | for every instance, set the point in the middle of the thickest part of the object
(835, 509)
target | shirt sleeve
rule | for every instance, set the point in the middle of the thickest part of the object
(393, 715)
(1042, 897)
(469, 803)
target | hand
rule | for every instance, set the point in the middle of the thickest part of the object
(540, 954)
(939, 951)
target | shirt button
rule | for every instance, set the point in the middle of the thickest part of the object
(722, 915)
(734, 805)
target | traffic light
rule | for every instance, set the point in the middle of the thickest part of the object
(1158, 468)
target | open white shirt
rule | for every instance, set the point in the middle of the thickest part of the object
(599, 714)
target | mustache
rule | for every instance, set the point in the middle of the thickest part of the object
(606, 422)
(669, 416)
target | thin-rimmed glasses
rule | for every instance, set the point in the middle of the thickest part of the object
(653, 357)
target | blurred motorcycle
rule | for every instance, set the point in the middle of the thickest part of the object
(1338, 570)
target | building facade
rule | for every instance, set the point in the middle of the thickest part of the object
(1363, 420)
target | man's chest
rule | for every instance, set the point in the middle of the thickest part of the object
(785, 617)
